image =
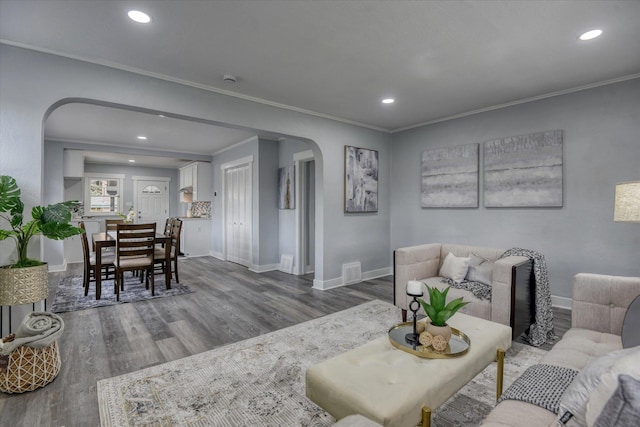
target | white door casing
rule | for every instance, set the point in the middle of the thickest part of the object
(151, 203)
(302, 232)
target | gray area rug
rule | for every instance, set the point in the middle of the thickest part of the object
(261, 381)
(70, 293)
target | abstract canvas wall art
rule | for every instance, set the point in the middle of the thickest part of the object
(361, 180)
(449, 177)
(286, 188)
(524, 171)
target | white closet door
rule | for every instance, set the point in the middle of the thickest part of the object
(238, 214)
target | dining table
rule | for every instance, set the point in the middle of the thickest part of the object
(108, 239)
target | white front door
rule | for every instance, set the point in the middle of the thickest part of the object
(152, 201)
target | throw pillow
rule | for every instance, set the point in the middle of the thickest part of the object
(454, 268)
(573, 403)
(630, 331)
(480, 270)
(609, 384)
(623, 409)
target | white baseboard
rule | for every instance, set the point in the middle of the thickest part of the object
(374, 274)
(561, 302)
(263, 268)
(324, 285)
(58, 268)
(218, 255)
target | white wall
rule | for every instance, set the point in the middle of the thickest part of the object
(601, 148)
(33, 83)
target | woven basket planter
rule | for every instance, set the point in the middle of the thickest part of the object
(30, 368)
(23, 285)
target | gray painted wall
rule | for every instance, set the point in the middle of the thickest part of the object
(601, 148)
(33, 83)
(268, 202)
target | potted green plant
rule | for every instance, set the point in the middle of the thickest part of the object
(439, 312)
(26, 279)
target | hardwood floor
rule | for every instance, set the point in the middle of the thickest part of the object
(230, 304)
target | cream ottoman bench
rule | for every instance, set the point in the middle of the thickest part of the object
(395, 388)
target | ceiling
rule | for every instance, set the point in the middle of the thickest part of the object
(172, 141)
(338, 59)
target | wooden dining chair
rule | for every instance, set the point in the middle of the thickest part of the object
(134, 252)
(175, 231)
(89, 271)
(112, 224)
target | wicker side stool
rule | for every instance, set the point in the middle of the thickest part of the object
(30, 368)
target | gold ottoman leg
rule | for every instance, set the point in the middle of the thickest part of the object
(426, 416)
(500, 372)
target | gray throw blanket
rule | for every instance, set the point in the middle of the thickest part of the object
(480, 290)
(541, 385)
(37, 330)
(542, 329)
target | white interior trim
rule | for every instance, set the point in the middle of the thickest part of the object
(299, 159)
(238, 162)
(151, 178)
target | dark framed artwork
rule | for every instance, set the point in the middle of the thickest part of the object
(360, 180)
(524, 171)
(286, 188)
(449, 177)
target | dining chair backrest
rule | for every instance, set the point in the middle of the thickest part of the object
(167, 226)
(176, 230)
(85, 244)
(112, 224)
(135, 240)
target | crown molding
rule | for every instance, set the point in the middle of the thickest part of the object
(520, 101)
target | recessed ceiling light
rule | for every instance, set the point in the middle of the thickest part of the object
(144, 138)
(388, 101)
(162, 115)
(139, 17)
(131, 161)
(592, 34)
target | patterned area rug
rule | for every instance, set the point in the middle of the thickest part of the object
(261, 381)
(70, 293)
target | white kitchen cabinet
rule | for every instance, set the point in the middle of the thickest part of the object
(196, 237)
(197, 177)
(73, 245)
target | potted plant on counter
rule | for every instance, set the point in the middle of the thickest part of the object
(26, 279)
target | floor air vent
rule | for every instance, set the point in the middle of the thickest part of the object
(351, 273)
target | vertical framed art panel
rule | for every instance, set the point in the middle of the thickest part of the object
(449, 177)
(286, 188)
(360, 180)
(524, 171)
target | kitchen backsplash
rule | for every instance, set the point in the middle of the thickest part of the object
(201, 209)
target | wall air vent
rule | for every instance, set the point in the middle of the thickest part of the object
(286, 264)
(351, 273)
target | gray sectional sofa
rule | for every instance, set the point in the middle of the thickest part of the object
(599, 306)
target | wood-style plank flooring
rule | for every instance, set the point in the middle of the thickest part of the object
(230, 304)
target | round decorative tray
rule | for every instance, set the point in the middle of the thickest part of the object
(458, 345)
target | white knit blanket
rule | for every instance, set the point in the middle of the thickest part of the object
(37, 330)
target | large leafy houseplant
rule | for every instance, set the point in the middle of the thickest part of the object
(51, 221)
(437, 309)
